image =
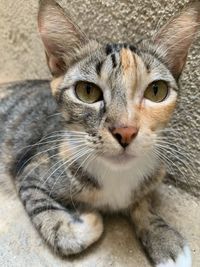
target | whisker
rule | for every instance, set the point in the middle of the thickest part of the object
(163, 156)
(71, 196)
(77, 153)
(163, 159)
(171, 145)
(180, 160)
(55, 114)
(43, 161)
(160, 144)
(54, 147)
(85, 183)
(40, 142)
(37, 154)
(79, 156)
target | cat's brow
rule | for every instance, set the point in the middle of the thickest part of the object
(98, 67)
(112, 48)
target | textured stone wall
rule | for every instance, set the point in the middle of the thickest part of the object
(22, 57)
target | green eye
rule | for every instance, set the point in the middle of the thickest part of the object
(88, 92)
(156, 91)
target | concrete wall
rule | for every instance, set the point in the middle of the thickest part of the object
(22, 57)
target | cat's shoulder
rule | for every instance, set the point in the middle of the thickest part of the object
(16, 86)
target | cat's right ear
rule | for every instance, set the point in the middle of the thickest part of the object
(61, 37)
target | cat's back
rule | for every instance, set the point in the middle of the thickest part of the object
(27, 112)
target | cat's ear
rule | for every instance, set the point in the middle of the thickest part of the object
(61, 37)
(175, 38)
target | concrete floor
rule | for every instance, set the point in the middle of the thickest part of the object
(21, 246)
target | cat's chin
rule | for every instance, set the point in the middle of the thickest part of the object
(123, 158)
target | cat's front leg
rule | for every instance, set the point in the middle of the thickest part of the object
(67, 232)
(164, 246)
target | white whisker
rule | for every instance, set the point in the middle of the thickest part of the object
(74, 156)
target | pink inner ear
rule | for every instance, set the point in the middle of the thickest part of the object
(177, 67)
(56, 65)
(61, 37)
(53, 54)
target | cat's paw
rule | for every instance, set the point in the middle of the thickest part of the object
(184, 259)
(67, 235)
(165, 246)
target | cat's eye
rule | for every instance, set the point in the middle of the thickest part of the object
(88, 92)
(156, 91)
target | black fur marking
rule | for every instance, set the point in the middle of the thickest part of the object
(39, 226)
(116, 47)
(98, 67)
(57, 226)
(109, 49)
(39, 200)
(83, 176)
(21, 162)
(59, 95)
(39, 210)
(114, 62)
(133, 48)
(102, 109)
(34, 187)
(93, 134)
(160, 223)
(173, 257)
(156, 221)
(76, 218)
(112, 48)
(26, 199)
(69, 207)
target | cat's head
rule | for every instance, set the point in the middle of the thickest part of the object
(115, 98)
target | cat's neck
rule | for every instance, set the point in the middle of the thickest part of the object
(138, 168)
(119, 183)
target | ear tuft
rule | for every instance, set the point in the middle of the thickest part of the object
(175, 38)
(61, 37)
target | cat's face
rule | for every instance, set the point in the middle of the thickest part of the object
(115, 88)
(116, 99)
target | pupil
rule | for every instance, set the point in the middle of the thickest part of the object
(88, 89)
(155, 89)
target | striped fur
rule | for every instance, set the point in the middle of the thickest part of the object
(65, 163)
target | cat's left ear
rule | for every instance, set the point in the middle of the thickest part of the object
(175, 38)
(61, 37)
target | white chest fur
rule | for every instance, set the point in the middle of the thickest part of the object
(118, 182)
(117, 190)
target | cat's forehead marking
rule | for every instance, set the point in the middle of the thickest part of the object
(112, 48)
(127, 59)
(129, 71)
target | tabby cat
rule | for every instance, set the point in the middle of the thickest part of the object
(91, 144)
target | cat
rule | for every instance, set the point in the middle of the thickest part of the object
(90, 145)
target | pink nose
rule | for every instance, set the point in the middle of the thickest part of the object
(124, 135)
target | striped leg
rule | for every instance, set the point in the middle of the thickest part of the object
(65, 231)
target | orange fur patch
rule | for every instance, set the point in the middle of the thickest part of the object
(155, 117)
(129, 66)
(55, 83)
